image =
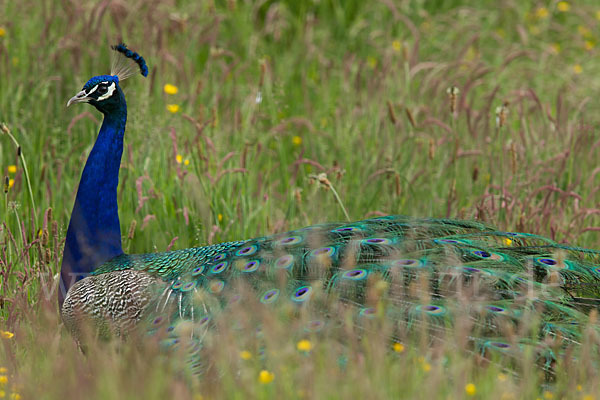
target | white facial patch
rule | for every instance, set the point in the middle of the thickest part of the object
(109, 93)
(93, 89)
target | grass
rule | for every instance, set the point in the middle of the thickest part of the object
(270, 94)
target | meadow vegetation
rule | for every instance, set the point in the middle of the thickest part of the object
(424, 108)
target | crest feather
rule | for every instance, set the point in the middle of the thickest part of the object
(126, 62)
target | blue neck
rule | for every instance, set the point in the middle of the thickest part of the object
(94, 233)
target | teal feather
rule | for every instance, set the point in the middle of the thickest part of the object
(422, 262)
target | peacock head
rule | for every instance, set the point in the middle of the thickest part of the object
(103, 91)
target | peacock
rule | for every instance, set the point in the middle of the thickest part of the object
(417, 273)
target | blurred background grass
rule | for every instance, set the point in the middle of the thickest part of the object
(270, 93)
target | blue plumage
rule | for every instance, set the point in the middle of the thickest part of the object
(89, 85)
(94, 234)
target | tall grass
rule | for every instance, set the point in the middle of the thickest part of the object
(270, 94)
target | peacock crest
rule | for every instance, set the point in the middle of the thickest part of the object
(125, 63)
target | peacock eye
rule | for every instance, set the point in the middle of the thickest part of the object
(102, 89)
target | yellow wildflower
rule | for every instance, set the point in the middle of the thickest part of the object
(380, 287)
(173, 108)
(3, 380)
(220, 217)
(371, 62)
(198, 397)
(216, 286)
(11, 183)
(245, 354)
(304, 345)
(548, 395)
(507, 242)
(577, 68)
(7, 334)
(563, 6)
(397, 45)
(186, 162)
(2, 31)
(15, 396)
(589, 44)
(583, 31)
(179, 158)
(12, 169)
(470, 389)
(588, 397)
(170, 89)
(265, 377)
(579, 388)
(398, 347)
(426, 367)
(541, 12)
(3, 370)
(2, 394)
(297, 140)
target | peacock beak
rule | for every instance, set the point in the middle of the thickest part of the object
(80, 97)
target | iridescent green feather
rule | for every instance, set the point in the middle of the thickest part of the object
(420, 270)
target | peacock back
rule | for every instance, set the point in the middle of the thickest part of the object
(415, 273)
